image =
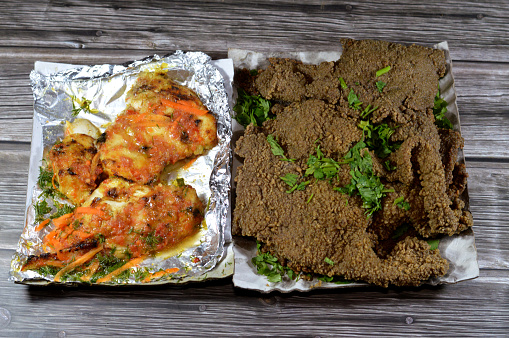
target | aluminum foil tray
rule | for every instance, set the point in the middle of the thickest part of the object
(105, 86)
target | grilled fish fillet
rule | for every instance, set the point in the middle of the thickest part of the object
(163, 123)
(133, 220)
(76, 166)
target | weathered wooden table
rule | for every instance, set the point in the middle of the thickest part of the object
(89, 32)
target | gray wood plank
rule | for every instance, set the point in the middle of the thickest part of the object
(216, 308)
(217, 25)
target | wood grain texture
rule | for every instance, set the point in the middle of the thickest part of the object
(114, 31)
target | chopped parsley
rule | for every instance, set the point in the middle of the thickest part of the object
(353, 100)
(401, 203)
(363, 181)
(321, 167)
(383, 71)
(439, 110)
(81, 105)
(251, 109)
(368, 110)
(333, 279)
(268, 265)
(433, 244)
(380, 85)
(276, 148)
(329, 261)
(343, 83)
(301, 186)
(388, 165)
(291, 180)
(377, 138)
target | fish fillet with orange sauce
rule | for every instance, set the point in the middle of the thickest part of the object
(75, 163)
(163, 123)
(127, 219)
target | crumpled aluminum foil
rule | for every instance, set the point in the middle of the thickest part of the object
(106, 86)
(458, 249)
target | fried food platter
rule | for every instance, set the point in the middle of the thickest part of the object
(459, 249)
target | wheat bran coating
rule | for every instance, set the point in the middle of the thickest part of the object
(313, 109)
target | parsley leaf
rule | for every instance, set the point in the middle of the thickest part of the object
(301, 186)
(383, 71)
(333, 279)
(363, 181)
(290, 179)
(329, 261)
(276, 148)
(268, 265)
(251, 109)
(377, 138)
(433, 244)
(353, 100)
(320, 167)
(380, 85)
(400, 202)
(343, 83)
(439, 110)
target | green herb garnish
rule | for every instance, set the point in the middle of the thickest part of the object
(433, 244)
(321, 167)
(268, 265)
(353, 100)
(276, 149)
(251, 109)
(400, 202)
(383, 71)
(290, 179)
(389, 166)
(300, 186)
(380, 85)
(377, 138)
(333, 279)
(343, 83)
(364, 182)
(41, 210)
(368, 110)
(439, 110)
(329, 261)
(81, 105)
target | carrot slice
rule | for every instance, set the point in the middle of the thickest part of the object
(83, 259)
(159, 274)
(128, 265)
(62, 221)
(90, 210)
(184, 106)
(42, 225)
(92, 269)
